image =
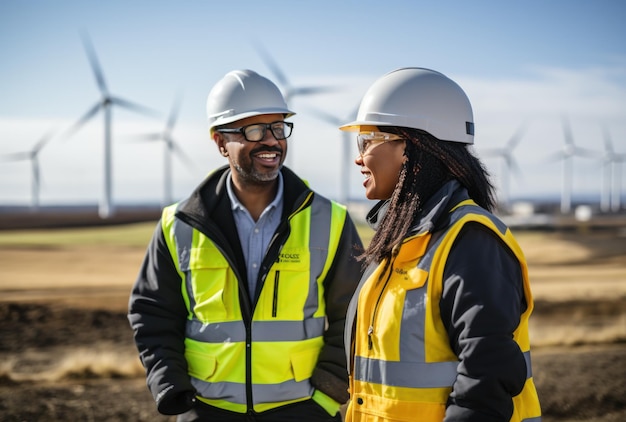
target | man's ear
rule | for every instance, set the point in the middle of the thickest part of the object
(220, 141)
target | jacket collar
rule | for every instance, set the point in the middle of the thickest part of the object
(211, 194)
(433, 214)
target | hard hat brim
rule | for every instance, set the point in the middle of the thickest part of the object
(356, 125)
(230, 119)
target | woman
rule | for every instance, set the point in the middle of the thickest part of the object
(439, 328)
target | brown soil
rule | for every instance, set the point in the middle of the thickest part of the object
(66, 350)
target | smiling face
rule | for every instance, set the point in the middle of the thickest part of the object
(381, 163)
(252, 163)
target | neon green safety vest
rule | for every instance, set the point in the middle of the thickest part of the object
(266, 362)
(404, 369)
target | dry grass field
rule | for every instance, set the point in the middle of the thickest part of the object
(66, 350)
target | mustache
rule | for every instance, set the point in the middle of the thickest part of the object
(265, 148)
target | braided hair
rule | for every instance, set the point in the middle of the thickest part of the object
(429, 165)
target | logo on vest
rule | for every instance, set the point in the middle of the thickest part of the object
(289, 257)
(402, 273)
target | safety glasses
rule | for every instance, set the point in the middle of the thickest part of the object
(368, 140)
(255, 132)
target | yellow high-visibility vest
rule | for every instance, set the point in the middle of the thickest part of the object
(404, 369)
(266, 362)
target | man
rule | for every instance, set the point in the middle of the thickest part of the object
(239, 307)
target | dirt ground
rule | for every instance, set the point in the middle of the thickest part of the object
(66, 350)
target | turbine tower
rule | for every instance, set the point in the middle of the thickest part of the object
(33, 156)
(567, 154)
(611, 175)
(104, 104)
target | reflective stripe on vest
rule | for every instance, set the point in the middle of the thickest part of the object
(412, 374)
(234, 331)
(301, 338)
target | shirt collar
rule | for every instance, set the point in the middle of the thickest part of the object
(235, 204)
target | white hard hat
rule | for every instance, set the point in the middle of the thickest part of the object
(243, 93)
(417, 98)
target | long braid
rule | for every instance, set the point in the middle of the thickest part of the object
(464, 166)
(442, 161)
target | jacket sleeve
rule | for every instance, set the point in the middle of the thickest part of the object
(157, 315)
(481, 305)
(330, 375)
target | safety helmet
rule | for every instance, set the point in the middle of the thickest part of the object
(417, 98)
(243, 93)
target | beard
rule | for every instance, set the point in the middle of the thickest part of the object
(252, 174)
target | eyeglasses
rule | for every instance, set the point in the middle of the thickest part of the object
(368, 140)
(255, 132)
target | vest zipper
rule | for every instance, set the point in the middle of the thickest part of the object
(370, 330)
(275, 301)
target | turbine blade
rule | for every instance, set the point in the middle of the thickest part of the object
(587, 153)
(134, 107)
(43, 141)
(354, 113)
(173, 117)
(557, 156)
(312, 90)
(95, 65)
(493, 152)
(272, 65)
(608, 143)
(181, 154)
(327, 117)
(15, 156)
(567, 132)
(149, 137)
(84, 119)
(517, 136)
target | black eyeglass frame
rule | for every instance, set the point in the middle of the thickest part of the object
(242, 130)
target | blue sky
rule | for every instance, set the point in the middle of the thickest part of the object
(532, 61)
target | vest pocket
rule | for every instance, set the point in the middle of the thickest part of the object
(370, 408)
(287, 287)
(303, 362)
(212, 285)
(200, 365)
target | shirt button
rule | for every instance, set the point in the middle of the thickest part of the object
(254, 265)
(359, 400)
(256, 230)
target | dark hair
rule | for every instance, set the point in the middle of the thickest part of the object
(429, 165)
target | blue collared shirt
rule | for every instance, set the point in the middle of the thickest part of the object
(255, 236)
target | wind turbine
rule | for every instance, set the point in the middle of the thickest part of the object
(509, 164)
(611, 175)
(288, 90)
(567, 154)
(345, 148)
(171, 148)
(33, 156)
(104, 104)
